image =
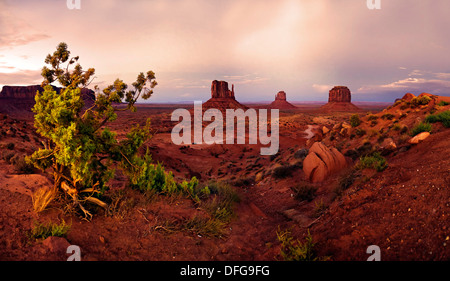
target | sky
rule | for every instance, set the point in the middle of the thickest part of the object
(302, 47)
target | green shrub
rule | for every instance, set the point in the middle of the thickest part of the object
(372, 117)
(397, 127)
(421, 127)
(375, 161)
(50, 229)
(354, 120)
(387, 116)
(443, 117)
(443, 103)
(420, 101)
(294, 250)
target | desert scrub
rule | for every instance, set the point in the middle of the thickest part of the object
(360, 132)
(420, 128)
(43, 231)
(372, 117)
(420, 101)
(21, 166)
(319, 208)
(304, 191)
(374, 161)
(443, 117)
(42, 197)
(387, 116)
(354, 120)
(294, 250)
(443, 103)
(344, 182)
(218, 203)
(397, 127)
(282, 172)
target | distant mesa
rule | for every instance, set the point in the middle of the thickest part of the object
(16, 99)
(280, 102)
(340, 99)
(222, 97)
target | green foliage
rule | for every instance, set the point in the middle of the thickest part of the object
(387, 116)
(354, 120)
(375, 161)
(294, 250)
(80, 149)
(43, 231)
(443, 103)
(443, 117)
(421, 127)
(372, 117)
(420, 101)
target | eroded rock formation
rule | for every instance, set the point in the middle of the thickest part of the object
(322, 162)
(280, 102)
(339, 99)
(340, 94)
(222, 97)
(18, 100)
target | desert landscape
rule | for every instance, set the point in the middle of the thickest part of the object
(318, 185)
(225, 132)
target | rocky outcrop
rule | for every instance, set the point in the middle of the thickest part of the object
(408, 97)
(340, 94)
(222, 98)
(322, 162)
(280, 102)
(339, 99)
(29, 92)
(219, 89)
(419, 138)
(18, 100)
(281, 95)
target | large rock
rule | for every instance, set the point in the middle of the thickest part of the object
(57, 245)
(419, 138)
(280, 102)
(339, 99)
(222, 98)
(408, 97)
(29, 92)
(281, 95)
(322, 162)
(340, 94)
(18, 100)
(219, 89)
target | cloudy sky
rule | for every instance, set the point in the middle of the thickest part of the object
(303, 47)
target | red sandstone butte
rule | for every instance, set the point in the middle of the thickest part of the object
(280, 102)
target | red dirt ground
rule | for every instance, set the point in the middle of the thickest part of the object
(404, 209)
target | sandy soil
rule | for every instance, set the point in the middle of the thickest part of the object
(403, 209)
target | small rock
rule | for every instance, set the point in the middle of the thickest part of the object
(419, 138)
(56, 244)
(389, 144)
(325, 130)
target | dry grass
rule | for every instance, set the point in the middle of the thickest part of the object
(42, 198)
